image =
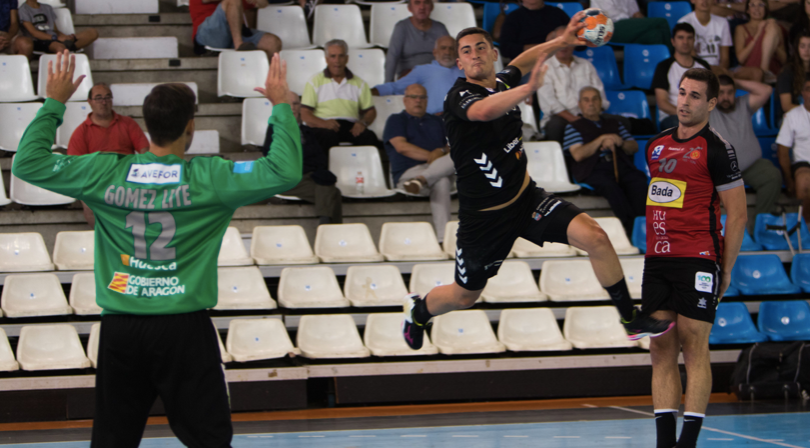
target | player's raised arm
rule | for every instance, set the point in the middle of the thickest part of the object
(526, 60)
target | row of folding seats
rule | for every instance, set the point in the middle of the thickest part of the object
(776, 321)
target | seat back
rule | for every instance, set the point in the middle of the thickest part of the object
(633, 269)
(425, 277)
(595, 327)
(513, 283)
(748, 244)
(570, 280)
(401, 241)
(83, 294)
(640, 62)
(465, 332)
(386, 106)
(672, 11)
(531, 330)
(16, 83)
(787, 320)
(82, 68)
(301, 66)
(74, 250)
(28, 295)
(546, 165)
(310, 287)
(75, 114)
(384, 16)
(383, 337)
(14, 119)
(570, 8)
(368, 64)
(454, 16)
(449, 242)
(640, 233)
(255, 339)
(256, 114)
(524, 248)
(50, 347)
(27, 194)
(374, 285)
(339, 22)
(491, 12)
(604, 60)
(618, 237)
(350, 162)
(330, 336)
(243, 288)
(134, 47)
(106, 7)
(629, 103)
(527, 114)
(7, 361)
(774, 239)
(281, 245)
(345, 243)
(4, 200)
(240, 72)
(733, 325)
(761, 274)
(64, 21)
(800, 271)
(133, 94)
(23, 252)
(286, 22)
(232, 252)
(92, 344)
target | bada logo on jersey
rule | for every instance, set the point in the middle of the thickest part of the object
(666, 192)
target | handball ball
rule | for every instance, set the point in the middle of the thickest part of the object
(598, 27)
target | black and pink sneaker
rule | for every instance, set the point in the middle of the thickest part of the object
(412, 331)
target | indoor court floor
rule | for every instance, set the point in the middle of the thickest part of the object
(602, 422)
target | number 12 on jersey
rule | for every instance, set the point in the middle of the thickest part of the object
(158, 251)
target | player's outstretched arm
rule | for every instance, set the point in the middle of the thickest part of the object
(526, 60)
(494, 106)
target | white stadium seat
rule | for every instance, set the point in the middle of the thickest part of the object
(50, 347)
(28, 295)
(527, 114)
(410, 241)
(16, 83)
(312, 287)
(342, 243)
(64, 21)
(243, 289)
(339, 22)
(454, 16)
(465, 332)
(383, 336)
(256, 339)
(633, 273)
(524, 248)
(546, 165)
(75, 114)
(595, 327)
(533, 329)
(374, 285)
(286, 22)
(53, 3)
(82, 68)
(92, 344)
(133, 94)
(384, 16)
(571, 280)
(24, 252)
(107, 7)
(331, 336)
(233, 251)
(204, 142)
(4, 200)
(346, 162)
(223, 354)
(256, 114)
(425, 277)
(14, 119)
(281, 245)
(7, 361)
(615, 231)
(134, 47)
(644, 343)
(26, 194)
(74, 251)
(301, 66)
(83, 294)
(385, 106)
(240, 72)
(513, 283)
(368, 64)
(449, 242)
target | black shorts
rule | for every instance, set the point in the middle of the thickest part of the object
(688, 286)
(798, 165)
(484, 239)
(42, 46)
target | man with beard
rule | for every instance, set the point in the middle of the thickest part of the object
(732, 120)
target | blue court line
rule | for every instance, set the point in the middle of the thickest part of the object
(758, 430)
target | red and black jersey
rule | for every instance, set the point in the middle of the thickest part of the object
(683, 207)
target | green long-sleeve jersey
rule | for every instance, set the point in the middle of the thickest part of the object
(159, 220)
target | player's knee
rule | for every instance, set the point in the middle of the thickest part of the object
(24, 46)
(597, 240)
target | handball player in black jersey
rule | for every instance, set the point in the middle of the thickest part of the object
(498, 201)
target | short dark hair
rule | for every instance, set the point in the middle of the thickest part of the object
(767, 9)
(102, 84)
(726, 80)
(703, 75)
(473, 30)
(683, 26)
(167, 111)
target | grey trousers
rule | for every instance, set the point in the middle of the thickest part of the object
(327, 199)
(440, 176)
(766, 180)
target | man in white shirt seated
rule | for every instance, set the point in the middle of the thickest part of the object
(630, 26)
(794, 150)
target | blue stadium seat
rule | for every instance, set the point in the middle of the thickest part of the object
(748, 244)
(800, 271)
(640, 233)
(731, 292)
(640, 158)
(769, 152)
(491, 11)
(640, 62)
(630, 103)
(570, 8)
(787, 320)
(733, 325)
(761, 275)
(775, 239)
(604, 60)
(672, 11)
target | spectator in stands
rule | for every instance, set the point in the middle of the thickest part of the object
(337, 104)
(39, 24)
(221, 24)
(668, 73)
(631, 27)
(437, 77)
(530, 25)
(800, 23)
(732, 120)
(417, 148)
(11, 38)
(318, 183)
(105, 131)
(735, 10)
(559, 95)
(601, 149)
(794, 150)
(413, 40)
(759, 44)
(790, 81)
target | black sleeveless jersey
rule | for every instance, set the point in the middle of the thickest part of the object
(489, 158)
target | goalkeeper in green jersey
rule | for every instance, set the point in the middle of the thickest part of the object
(159, 227)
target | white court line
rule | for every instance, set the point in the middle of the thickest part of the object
(707, 428)
(413, 435)
(727, 440)
(617, 437)
(362, 436)
(464, 435)
(566, 437)
(522, 437)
